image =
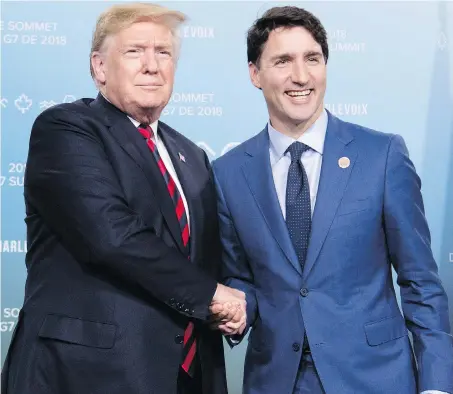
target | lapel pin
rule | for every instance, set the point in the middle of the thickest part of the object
(344, 162)
(181, 157)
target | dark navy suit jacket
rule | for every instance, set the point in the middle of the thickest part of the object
(110, 288)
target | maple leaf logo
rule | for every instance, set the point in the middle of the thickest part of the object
(23, 103)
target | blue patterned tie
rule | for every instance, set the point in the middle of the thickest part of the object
(298, 210)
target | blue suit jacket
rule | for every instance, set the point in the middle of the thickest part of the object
(368, 217)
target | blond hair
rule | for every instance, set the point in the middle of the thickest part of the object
(120, 17)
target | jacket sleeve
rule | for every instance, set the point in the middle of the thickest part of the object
(71, 183)
(236, 271)
(423, 299)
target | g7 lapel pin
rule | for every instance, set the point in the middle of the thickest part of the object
(344, 162)
(181, 157)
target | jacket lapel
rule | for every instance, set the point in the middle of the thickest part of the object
(258, 173)
(132, 142)
(332, 184)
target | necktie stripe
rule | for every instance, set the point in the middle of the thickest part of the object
(190, 343)
(189, 359)
(185, 235)
(179, 209)
(171, 186)
(161, 165)
(188, 333)
(151, 145)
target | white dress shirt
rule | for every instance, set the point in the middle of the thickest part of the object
(311, 159)
(167, 161)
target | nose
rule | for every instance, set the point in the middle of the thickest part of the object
(300, 74)
(150, 62)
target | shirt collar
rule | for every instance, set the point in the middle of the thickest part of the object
(314, 137)
(153, 125)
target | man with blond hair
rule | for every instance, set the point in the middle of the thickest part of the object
(122, 288)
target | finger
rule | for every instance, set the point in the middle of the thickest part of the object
(220, 311)
(216, 308)
(226, 330)
(235, 324)
(227, 312)
(236, 317)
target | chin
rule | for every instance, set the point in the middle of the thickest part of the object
(150, 104)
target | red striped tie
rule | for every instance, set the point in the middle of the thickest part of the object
(190, 344)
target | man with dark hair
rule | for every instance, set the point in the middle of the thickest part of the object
(314, 212)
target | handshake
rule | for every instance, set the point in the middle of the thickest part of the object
(228, 310)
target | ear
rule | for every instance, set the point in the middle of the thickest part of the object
(99, 67)
(254, 75)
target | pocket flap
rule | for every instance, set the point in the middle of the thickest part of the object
(385, 330)
(78, 331)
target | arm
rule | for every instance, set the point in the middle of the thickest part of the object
(74, 188)
(423, 298)
(236, 269)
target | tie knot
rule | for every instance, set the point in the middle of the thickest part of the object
(146, 131)
(296, 149)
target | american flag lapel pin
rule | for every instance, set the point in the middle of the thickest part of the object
(181, 157)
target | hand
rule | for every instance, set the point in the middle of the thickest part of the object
(228, 308)
(229, 318)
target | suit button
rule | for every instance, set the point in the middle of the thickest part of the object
(179, 339)
(304, 292)
(187, 310)
(172, 302)
(296, 347)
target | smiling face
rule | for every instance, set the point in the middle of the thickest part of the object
(291, 72)
(135, 70)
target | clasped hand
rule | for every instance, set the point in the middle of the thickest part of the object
(228, 310)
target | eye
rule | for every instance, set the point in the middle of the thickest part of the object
(165, 53)
(281, 62)
(313, 60)
(133, 51)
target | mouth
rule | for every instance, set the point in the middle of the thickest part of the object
(299, 93)
(149, 86)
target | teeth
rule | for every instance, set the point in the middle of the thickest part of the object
(299, 93)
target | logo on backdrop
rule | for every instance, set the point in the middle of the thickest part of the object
(340, 40)
(347, 109)
(15, 175)
(197, 32)
(13, 246)
(193, 104)
(31, 33)
(212, 154)
(23, 103)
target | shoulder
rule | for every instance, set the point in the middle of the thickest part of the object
(241, 153)
(367, 138)
(74, 112)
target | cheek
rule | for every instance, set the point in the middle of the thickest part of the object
(169, 73)
(320, 79)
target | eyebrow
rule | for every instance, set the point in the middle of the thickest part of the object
(143, 43)
(291, 55)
